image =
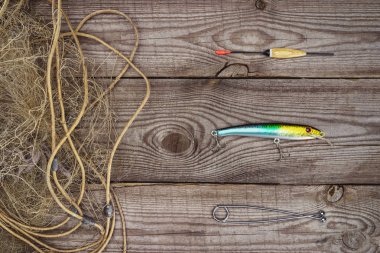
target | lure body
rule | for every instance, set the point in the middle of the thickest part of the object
(273, 131)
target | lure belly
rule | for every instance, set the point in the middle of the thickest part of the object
(273, 131)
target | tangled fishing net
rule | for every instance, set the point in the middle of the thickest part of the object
(57, 134)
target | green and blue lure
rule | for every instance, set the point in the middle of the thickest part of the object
(273, 131)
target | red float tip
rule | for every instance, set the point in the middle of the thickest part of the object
(222, 52)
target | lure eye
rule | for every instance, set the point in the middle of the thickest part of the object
(308, 129)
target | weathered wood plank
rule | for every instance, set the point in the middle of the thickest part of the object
(171, 140)
(178, 38)
(177, 218)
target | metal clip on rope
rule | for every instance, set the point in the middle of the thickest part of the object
(54, 166)
(108, 211)
(320, 215)
(73, 209)
(87, 220)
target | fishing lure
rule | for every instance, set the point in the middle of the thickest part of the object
(273, 131)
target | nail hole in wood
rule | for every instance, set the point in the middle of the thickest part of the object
(176, 143)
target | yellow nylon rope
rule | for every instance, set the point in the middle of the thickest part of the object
(4, 7)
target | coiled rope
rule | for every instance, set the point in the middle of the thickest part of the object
(31, 234)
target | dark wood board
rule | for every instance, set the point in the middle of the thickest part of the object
(171, 140)
(178, 38)
(177, 218)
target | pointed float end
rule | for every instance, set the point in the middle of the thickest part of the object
(222, 52)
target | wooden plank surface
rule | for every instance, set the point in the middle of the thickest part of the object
(171, 140)
(178, 37)
(177, 218)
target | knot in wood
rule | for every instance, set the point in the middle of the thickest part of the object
(233, 70)
(335, 193)
(176, 143)
(354, 240)
(260, 4)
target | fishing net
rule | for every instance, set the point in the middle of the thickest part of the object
(61, 134)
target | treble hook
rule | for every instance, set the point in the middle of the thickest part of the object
(277, 143)
(218, 144)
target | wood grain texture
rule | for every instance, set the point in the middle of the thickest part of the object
(171, 140)
(178, 37)
(177, 218)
